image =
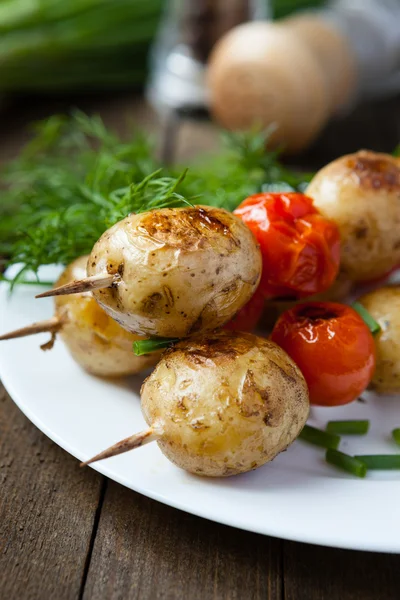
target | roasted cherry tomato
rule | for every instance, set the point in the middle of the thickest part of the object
(249, 315)
(333, 348)
(300, 248)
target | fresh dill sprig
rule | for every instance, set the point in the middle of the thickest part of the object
(243, 167)
(76, 178)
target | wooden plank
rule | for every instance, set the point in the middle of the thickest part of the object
(318, 573)
(47, 511)
(147, 551)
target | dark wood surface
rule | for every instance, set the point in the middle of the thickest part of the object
(68, 533)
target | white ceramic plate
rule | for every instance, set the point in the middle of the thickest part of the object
(297, 496)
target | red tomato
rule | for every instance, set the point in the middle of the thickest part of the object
(248, 317)
(333, 348)
(300, 248)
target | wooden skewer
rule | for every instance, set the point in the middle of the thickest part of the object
(49, 325)
(95, 282)
(130, 443)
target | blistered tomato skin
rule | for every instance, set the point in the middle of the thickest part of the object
(333, 348)
(299, 247)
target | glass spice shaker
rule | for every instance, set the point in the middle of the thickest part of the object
(186, 37)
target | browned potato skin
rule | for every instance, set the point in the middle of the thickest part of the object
(361, 193)
(384, 305)
(95, 340)
(226, 402)
(181, 270)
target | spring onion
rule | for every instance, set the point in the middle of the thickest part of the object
(345, 462)
(348, 427)
(396, 435)
(315, 436)
(368, 319)
(383, 462)
(152, 345)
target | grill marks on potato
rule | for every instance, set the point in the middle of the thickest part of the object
(189, 229)
(375, 172)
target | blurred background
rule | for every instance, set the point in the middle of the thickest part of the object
(326, 74)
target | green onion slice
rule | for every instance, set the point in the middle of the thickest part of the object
(380, 462)
(368, 319)
(319, 438)
(396, 435)
(152, 345)
(348, 427)
(345, 462)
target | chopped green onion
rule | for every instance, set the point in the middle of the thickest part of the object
(368, 319)
(348, 463)
(319, 438)
(381, 462)
(147, 346)
(348, 427)
(396, 435)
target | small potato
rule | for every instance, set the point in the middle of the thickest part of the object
(361, 193)
(181, 270)
(384, 306)
(95, 340)
(226, 402)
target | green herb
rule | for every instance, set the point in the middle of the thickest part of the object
(396, 435)
(152, 345)
(396, 151)
(348, 427)
(76, 178)
(381, 462)
(315, 436)
(345, 462)
(372, 325)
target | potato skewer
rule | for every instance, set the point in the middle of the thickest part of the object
(221, 403)
(95, 341)
(383, 305)
(172, 272)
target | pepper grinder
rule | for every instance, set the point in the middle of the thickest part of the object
(188, 32)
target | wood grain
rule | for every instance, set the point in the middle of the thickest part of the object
(317, 573)
(47, 510)
(144, 550)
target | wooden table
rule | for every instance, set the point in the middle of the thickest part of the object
(68, 533)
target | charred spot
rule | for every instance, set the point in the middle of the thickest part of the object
(282, 371)
(93, 264)
(316, 312)
(151, 303)
(121, 268)
(375, 170)
(267, 419)
(169, 295)
(360, 233)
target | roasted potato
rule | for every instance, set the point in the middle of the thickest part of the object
(384, 306)
(93, 338)
(225, 402)
(361, 193)
(180, 270)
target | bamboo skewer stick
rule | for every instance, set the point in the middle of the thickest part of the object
(95, 282)
(130, 443)
(49, 325)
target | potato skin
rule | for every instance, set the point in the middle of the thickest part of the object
(361, 193)
(384, 305)
(95, 340)
(227, 402)
(182, 270)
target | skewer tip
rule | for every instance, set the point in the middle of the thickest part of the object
(95, 282)
(130, 443)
